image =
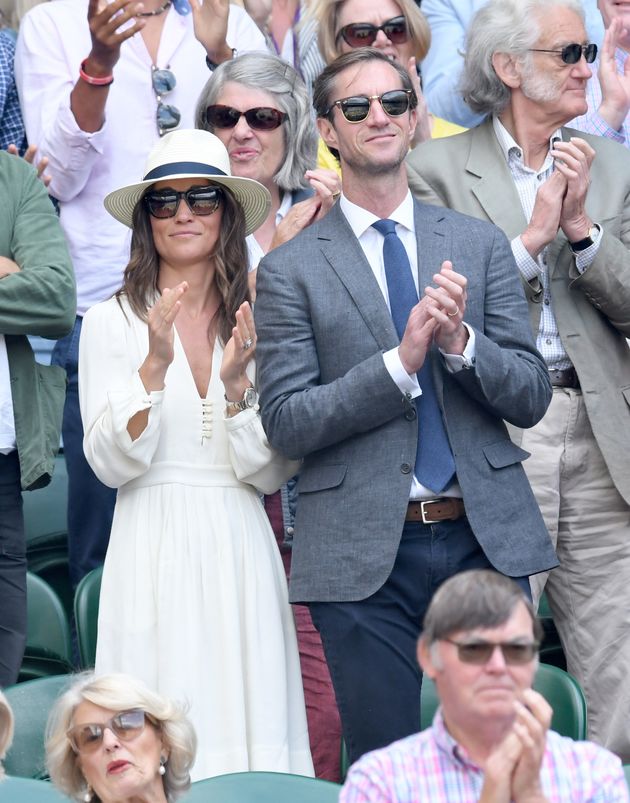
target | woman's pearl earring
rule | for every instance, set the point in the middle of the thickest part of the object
(88, 794)
(162, 769)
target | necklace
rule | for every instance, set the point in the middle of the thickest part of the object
(156, 12)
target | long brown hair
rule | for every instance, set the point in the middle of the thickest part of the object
(140, 279)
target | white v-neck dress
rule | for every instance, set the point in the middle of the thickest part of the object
(193, 598)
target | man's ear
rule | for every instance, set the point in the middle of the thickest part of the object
(425, 660)
(508, 69)
(327, 132)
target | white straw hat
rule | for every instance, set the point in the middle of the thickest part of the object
(191, 153)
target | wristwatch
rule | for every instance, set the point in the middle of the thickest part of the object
(586, 242)
(248, 402)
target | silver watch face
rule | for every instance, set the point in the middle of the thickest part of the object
(250, 397)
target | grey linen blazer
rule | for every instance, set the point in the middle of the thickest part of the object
(468, 172)
(326, 397)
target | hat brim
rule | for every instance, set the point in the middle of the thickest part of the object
(253, 198)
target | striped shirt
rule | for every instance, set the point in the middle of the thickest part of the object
(431, 766)
(591, 122)
(527, 182)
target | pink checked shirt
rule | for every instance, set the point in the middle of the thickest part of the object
(430, 767)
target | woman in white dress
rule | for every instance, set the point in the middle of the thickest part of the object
(193, 598)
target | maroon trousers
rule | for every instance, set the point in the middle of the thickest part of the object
(324, 725)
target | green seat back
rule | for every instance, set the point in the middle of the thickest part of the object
(48, 650)
(46, 527)
(262, 787)
(26, 790)
(626, 771)
(31, 703)
(86, 615)
(560, 689)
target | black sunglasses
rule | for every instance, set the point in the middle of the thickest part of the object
(126, 725)
(363, 34)
(356, 109)
(165, 203)
(167, 116)
(260, 118)
(479, 652)
(571, 54)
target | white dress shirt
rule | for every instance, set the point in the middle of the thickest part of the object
(371, 241)
(53, 41)
(7, 421)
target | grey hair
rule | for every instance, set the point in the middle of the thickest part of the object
(282, 82)
(501, 26)
(118, 692)
(478, 598)
(6, 729)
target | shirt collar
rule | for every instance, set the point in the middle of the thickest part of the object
(360, 219)
(285, 205)
(448, 745)
(509, 146)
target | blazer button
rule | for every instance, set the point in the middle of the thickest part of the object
(410, 414)
(405, 468)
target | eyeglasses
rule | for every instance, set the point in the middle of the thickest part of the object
(201, 201)
(127, 725)
(260, 118)
(479, 652)
(167, 116)
(357, 108)
(571, 54)
(363, 34)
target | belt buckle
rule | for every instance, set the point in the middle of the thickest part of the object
(425, 520)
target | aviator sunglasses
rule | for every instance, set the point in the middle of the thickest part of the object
(571, 54)
(260, 118)
(363, 34)
(167, 117)
(126, 725)
(479, 652)
(356, 109)
(165, 203)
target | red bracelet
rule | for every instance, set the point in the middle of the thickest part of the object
(89, 79)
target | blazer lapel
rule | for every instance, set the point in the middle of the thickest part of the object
(497, 194)
(495, 188)
(344, 254)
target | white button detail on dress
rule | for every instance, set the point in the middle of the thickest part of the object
(206, 419)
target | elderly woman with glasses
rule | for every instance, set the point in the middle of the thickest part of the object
(193, 597)
(396, 27)
(260, 109)
(110, 739)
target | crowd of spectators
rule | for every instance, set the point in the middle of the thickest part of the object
(164, 164)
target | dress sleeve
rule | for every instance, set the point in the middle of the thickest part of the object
(110, 393)
(252, 458)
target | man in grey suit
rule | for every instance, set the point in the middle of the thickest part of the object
(383, 517)
(563, 199)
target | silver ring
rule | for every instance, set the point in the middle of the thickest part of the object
(453, 314)
(247, 344)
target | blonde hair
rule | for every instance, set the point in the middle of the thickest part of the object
(6, 729)
(326, 12)
(118, 692)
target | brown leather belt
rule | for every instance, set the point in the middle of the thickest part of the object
(564, 378)
(446, 508)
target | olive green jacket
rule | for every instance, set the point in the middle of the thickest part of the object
(40, 299)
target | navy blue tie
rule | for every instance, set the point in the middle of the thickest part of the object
(435, 466)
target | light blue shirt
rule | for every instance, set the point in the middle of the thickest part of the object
(441, 69)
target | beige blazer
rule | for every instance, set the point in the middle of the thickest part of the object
(468, 173)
